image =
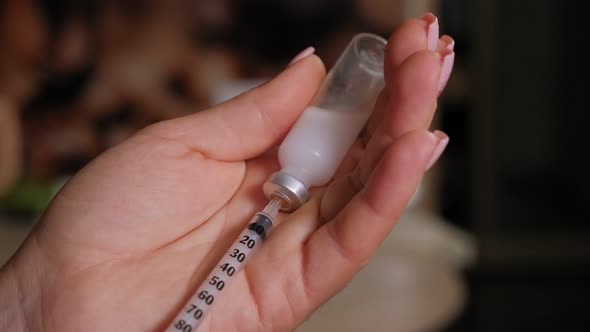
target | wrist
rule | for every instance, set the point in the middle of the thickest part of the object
(20, 289)
(12, 315)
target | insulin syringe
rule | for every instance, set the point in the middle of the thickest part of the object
(309, 156)
(193, 313)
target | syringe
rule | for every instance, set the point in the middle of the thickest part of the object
(193, 313)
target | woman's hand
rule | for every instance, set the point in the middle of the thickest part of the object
(132, 235)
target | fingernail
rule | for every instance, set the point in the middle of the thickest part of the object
(305, 53)
(441, 145)
(448, 59)
(447, 43)
(432, 30)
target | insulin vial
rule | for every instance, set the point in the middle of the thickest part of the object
(319, 140)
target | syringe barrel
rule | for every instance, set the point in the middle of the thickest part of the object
(195, 311)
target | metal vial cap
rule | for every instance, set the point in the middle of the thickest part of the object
(288, 188)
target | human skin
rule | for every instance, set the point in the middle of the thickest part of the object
(132, 235)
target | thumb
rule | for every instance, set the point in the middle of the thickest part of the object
(251, 123)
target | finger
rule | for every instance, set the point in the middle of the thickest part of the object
(350, 160)
(410, 108)
(446, 45)
(253, 122)
(410, 104)
(445, 42)
(376, 118)
(338, 194)
(411, 37)
(337, 250)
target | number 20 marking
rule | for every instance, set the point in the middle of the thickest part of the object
(248, 242)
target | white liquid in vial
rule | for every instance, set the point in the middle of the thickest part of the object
(318, 142)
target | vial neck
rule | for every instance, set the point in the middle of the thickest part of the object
(301, 174)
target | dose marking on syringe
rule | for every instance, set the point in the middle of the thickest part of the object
(233, 261)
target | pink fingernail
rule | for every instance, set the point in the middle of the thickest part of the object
(448, 59)
(305, 53)
(447, 42)
(432, 30)
(443, 141)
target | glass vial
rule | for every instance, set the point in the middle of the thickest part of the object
(319, 140)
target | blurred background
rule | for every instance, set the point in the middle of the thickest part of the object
(497, 238)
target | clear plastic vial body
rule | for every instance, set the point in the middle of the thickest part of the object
(319, 140)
